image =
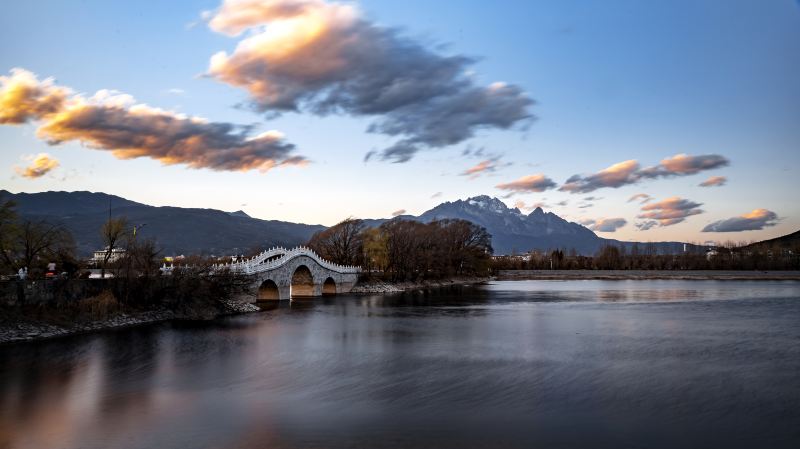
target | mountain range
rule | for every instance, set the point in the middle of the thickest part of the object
(209, 231)
(513, 231)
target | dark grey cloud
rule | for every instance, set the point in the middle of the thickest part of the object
(753, 221)
(646, 225)
(349, 65)
(642, 198)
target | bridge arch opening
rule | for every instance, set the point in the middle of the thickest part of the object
(302, 283)
(268, 291)
(329, 287)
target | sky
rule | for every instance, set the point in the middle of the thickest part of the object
(644, 121)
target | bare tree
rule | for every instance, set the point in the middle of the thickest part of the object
(113, 232)
(32, 240)
(8, 229)
(341, 243)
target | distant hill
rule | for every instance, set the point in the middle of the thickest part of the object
(177, 230)
(786, 241)
(513, 231)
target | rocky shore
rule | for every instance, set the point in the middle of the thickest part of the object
(18, 330)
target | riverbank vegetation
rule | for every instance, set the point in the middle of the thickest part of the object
(42, 272)
(406, 250)
(730, 256)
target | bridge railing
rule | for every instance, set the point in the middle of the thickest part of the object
(264, 262)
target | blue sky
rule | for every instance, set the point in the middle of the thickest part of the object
(613, 81)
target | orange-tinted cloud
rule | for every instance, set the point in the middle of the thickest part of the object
(326, 57)
(604, 224)
(714, 181)
(483, 167)
(480, 167)
(617, 175)
(753, 221)
(530, 183)
(40, 165)
(668, 212)
(629, 172)
(24, 98)
(684, 164)
(113, 122)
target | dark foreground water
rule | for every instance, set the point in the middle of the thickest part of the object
(579, 364)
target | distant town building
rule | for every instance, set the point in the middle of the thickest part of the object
(100, 255)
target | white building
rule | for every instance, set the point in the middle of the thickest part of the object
(100, 256)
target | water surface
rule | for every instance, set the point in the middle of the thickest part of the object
(525, 364)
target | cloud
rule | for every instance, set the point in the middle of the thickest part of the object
(753, 221)
(40, 165)
(670, 211)
(436, 195)
(521, 205)
(562, 203)
(646, 225)
(477, 153)
(683, 164)
(642, 198)
(531, 183)
(113, 122)
(617, 175)
(480, 168)
(398, 212)
(24, 98)
(176, 91)
(604, 224)
(630, 172)
(485, 166)
(714, 181)
(324, 57)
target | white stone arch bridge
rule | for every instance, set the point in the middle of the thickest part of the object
(282, 274)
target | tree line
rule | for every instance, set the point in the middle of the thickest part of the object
(730, 256)
(129, 267)
(406, 250)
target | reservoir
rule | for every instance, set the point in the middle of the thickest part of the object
(515, 364)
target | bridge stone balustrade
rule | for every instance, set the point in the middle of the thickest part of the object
(282, 274)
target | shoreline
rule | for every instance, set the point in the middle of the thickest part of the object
(26, 331)
(645, 275)
(382, 287)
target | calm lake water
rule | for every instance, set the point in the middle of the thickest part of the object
(578, 364)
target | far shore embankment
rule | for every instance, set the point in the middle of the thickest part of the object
(377, 286)
(623, 275)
